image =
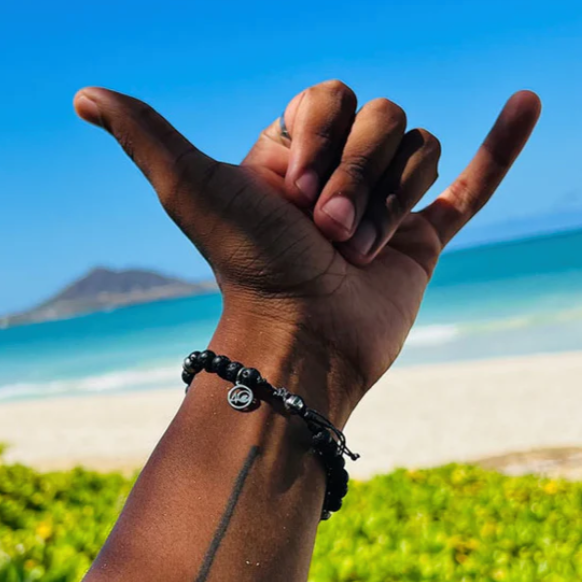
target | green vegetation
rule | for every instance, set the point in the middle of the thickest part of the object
(52, 525)
(455, 523)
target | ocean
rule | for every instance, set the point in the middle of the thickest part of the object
(498, 300)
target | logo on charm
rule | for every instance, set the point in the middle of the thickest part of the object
(240, 397)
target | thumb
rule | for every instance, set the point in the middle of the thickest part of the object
(180, 173)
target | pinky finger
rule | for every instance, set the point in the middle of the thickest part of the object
(478, 182)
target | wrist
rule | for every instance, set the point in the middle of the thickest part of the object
(283, 443)
(288, 355)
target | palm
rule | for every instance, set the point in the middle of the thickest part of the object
(365, 313)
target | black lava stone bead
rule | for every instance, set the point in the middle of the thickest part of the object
(336, 463)
(195, 362)
(333, 503)
(324, 444)
(187, 377)
(339, 488)
(249, 377)
(219, 365)
(231, 371)
(341, 476)
(206, 358)
(320, 439)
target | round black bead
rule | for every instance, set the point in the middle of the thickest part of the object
(324, 444)
(336, 463)
(190, 367)
(231, 371)
(195, 363)
(339, 488)
(332, 503)
(187, 366)
(206, 358)
(219, 365)
(321, 438)
(343, 474)
(187, 377)
(249, 377)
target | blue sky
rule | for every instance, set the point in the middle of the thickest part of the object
(220, 71)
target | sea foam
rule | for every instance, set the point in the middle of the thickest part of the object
(122, 381)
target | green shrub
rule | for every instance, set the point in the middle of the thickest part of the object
(52, 525)
(454, 523)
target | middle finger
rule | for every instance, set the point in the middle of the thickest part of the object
(372, 143)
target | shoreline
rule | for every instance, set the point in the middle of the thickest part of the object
(416, 416)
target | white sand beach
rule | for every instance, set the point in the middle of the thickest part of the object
(415, 417)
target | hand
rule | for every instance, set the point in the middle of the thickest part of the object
(349, 287)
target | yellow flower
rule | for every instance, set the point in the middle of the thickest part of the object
(44, 530)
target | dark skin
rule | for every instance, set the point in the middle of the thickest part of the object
(320, 297)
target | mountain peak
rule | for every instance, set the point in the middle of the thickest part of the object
(101, 270)
(105, 288)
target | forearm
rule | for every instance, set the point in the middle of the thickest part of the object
(228, 495)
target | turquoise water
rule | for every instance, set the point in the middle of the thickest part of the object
(499, 300)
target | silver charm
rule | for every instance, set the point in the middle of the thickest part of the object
(240, 397)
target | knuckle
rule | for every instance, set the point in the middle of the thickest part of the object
(395, 205)
(467, 201)
(399, 117)
(389, 111)
(340, 90)
(324, 135)
(431, 144)
(381, 106)
(356, 167)
(142, 111)
(135, 114)
(182, 159)
(139, 112)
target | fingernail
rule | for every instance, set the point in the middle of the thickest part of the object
(88, 110)
(341, 210)
(364, 238)
(308, 185)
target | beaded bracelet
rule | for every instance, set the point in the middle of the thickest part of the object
(249, 388)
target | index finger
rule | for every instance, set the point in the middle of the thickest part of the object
(479, 180)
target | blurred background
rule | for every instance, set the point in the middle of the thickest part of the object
(101, 296)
